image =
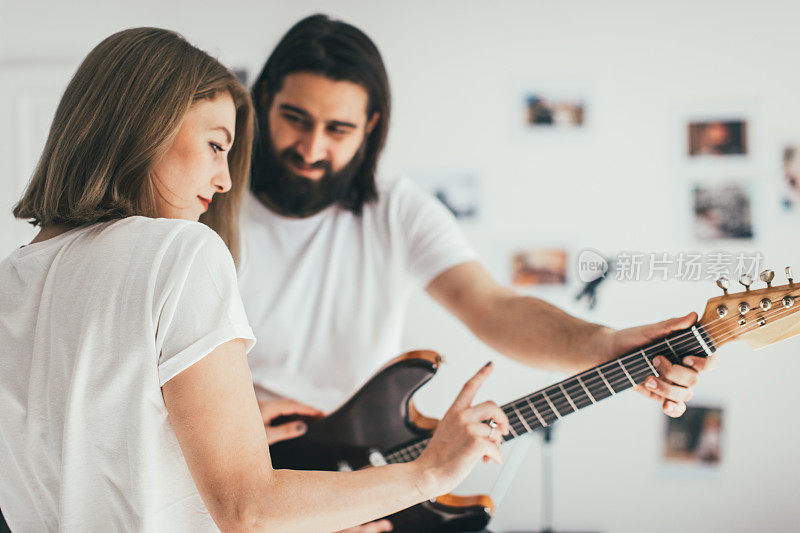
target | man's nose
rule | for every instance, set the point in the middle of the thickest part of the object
(313, 146)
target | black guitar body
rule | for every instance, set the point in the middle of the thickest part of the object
(376, 421)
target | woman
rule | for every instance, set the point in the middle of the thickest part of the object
(127, 400)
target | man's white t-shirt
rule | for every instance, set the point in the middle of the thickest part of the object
(326, 295)
(92, 323)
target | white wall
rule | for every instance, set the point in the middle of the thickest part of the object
(456, 69)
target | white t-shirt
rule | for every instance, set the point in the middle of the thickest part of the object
(92, 323)
(326, 295)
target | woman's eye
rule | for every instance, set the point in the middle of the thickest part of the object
(216, 148)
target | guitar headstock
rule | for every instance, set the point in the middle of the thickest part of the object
(759, 317)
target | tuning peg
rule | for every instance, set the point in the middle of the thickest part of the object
(746, 280)
(767, 276)
(723, 283)
(789, 274)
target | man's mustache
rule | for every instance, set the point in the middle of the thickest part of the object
(291, 156)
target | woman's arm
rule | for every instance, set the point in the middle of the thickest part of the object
(213, 410)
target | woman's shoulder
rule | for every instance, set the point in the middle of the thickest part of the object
(139, 230)
(157, 239)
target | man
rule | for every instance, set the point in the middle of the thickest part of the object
(331, 253)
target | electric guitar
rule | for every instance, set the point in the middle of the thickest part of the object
(379, 424)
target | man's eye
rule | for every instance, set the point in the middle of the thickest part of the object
(293, 118)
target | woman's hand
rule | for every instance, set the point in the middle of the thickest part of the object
(462, 438)
(272, 409)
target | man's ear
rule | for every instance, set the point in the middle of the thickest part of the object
(373, 121)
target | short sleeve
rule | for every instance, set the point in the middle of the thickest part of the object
(197, 305)
(434, 242)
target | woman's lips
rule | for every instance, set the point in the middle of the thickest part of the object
(205, 202)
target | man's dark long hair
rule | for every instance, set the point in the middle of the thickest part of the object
(341, 52)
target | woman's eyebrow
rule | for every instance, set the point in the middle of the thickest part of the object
(227, 132)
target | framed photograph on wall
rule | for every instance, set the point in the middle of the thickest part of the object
(790, 184)
(695, 438)
(717, 138)
(539, 266)
(459, 191)
(544, 106)
(722, 210)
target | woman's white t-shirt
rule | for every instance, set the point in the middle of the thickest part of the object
(92, 323)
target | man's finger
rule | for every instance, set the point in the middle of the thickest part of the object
(678, 374)
(673, 324)
(702, 364)
(676, 393)
(467, 394)
(292, 430)
(271, 409)
(372, 527)
(673, 409)
(286, 406)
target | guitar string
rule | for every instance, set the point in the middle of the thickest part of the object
(641, 372)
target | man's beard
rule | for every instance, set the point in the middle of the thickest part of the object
(297, 196)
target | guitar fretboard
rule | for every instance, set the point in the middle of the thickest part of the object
(545, 406)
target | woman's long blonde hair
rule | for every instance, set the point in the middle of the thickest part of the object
(118, 116)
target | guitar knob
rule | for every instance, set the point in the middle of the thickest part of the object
(723, 283)
(767, 277)
(746, 280)
(789, 274)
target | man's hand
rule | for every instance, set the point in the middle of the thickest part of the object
(373, 527)
(272, 409)
(673, 388)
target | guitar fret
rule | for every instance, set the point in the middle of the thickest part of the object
(553, 407)
(574, 407)
(701, 341)
(589, 394)
(633, 383)
(600, 373)
(511, 427)
(677, 359)
(541, 420)
(646, 360)
(521, 418)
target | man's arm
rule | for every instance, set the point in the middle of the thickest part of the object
(536, 333)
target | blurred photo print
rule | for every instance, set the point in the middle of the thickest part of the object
(694, 438)
(458, 191)
(539, 266)
(722, 211)
(791, 178)
(717, 138)
(550, 110)
(242, 75)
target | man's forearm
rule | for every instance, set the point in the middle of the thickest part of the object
(536, 333)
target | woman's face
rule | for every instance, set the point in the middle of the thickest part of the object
(195, 167)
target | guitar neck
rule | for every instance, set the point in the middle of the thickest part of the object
(545, 406)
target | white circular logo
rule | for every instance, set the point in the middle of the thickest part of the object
(591, 265)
